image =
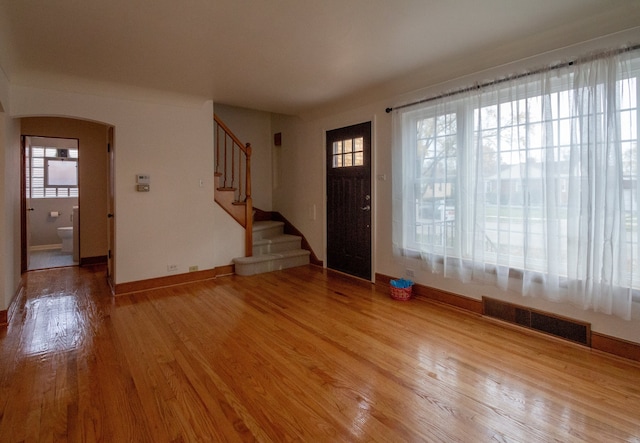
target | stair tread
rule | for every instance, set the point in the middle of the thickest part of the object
(271, 256)
(276, 239)
(266, 224)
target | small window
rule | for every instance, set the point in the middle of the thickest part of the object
(349, 152)
(61, 172)
(51, 172)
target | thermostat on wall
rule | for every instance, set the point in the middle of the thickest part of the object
(143, 179)
(143, 182)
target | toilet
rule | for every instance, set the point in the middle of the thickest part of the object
(66, 235)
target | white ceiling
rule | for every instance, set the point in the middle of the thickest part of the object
(288, 56)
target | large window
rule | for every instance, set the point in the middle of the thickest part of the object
(534, 178)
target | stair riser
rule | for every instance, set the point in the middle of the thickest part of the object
(267, 233)
(277, 247)
(271, 265)
(272, 250)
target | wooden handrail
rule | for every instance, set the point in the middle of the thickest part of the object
(229, 133)
(233, 181)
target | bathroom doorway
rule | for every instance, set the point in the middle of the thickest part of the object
(91, 139)
(51, 202)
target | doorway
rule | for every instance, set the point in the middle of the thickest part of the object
(50, 178)
(92, 187)
(349, 202)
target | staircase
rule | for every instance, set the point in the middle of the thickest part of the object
(267, 247)
(233, 178)
(272, 250)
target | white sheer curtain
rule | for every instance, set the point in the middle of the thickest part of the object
(532, 180)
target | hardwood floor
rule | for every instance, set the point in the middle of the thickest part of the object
(295, 355)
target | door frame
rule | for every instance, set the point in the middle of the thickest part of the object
(25, 203)
(325, 129)
(111, 207)
(109, 136)
(24, 222)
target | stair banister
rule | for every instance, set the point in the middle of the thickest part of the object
(233, 182)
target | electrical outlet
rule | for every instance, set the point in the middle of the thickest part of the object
(172, 268)
(193, 268)
(409, 273)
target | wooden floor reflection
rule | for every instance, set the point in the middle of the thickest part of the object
(295, 355)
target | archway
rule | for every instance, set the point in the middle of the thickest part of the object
(93, 180)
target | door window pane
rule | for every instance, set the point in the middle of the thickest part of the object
(348, 152)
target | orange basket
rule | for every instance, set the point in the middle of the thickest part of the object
(402, 294)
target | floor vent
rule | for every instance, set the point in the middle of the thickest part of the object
(567, 328)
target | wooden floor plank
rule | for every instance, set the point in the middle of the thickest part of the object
(297, 355)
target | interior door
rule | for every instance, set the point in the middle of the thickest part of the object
(111, 209)
(349, 200)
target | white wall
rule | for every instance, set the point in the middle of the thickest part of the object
(9, 199)
(300, 183)
(299, 170)
(170, 138)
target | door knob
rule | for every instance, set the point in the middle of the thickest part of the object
(366, 208)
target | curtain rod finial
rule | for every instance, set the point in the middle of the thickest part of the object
(388, 110)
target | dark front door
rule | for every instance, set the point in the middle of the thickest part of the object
(349, 200)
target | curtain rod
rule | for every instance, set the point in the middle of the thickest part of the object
(517, 76)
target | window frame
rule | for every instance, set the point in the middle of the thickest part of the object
(40, 172)
(47, 173)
